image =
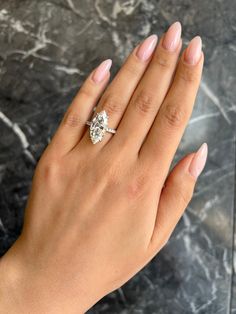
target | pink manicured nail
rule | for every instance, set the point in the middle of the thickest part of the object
(172, 37)
(199, 160)
(147, 47)
(194, 50)
(101, 71)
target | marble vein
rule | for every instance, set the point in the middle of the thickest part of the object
(2, 226)
(203, 116)
(223, 177)
(102, 16)
(214, 99)
(19, 133)
(74, 9)
(69, 71)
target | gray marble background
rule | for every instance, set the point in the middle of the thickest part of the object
(47, 48)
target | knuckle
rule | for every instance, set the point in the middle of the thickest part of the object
(163, 60)
(112, 105)
(113, 177)
(188, 74)
(85, 92)
(174, 114)
(72, 119)
(144, 102)
(132, 69)
(136, 186)
(49, 169)
(184, 194)
(111, 169)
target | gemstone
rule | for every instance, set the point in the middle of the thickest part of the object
(98, 126)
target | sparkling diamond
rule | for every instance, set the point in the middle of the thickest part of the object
(98, 126)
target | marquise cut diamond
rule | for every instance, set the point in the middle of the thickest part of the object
(98, 126)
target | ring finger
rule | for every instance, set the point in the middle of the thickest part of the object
(117, 95)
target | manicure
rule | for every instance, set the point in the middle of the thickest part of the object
(101, 71)
(172, 37)
(199, 160)
(193, 51)
(147, 47)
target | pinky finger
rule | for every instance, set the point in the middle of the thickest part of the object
(176, 195)
(73, 123)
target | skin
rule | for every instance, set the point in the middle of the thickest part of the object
(97, 214)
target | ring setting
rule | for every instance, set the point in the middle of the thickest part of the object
(99, 126)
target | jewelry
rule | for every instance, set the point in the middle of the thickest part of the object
(99, 126)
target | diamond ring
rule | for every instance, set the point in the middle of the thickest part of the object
(99, 126)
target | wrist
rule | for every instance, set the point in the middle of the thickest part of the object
(9, 274)
(23, 291)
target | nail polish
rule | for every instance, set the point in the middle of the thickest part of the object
(199, 160)
(172, 37)
(101, 71)
(147, 47)
(193, 51)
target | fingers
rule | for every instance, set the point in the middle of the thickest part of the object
(73, 125)
(176, 195)
(150, 92)
(166, 132)
(117, 95)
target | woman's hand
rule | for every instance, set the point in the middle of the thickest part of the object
(99, 213)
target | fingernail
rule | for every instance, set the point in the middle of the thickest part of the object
(147, 47)
(101, 71)
(199, 160)
(172, 37)
(193, 51)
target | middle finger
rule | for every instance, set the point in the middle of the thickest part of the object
(150, 92)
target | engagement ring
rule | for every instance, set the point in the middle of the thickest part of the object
(99, 126)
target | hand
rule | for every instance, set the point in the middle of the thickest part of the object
(99, 213)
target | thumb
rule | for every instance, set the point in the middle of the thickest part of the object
(176, 195)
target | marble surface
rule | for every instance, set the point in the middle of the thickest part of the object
(47, 48)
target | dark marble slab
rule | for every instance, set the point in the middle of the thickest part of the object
(47, 48)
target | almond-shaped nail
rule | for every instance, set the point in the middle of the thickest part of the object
(101, 71)
(147, 47)
(193, 51)
(172, 37)
(199, 160)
